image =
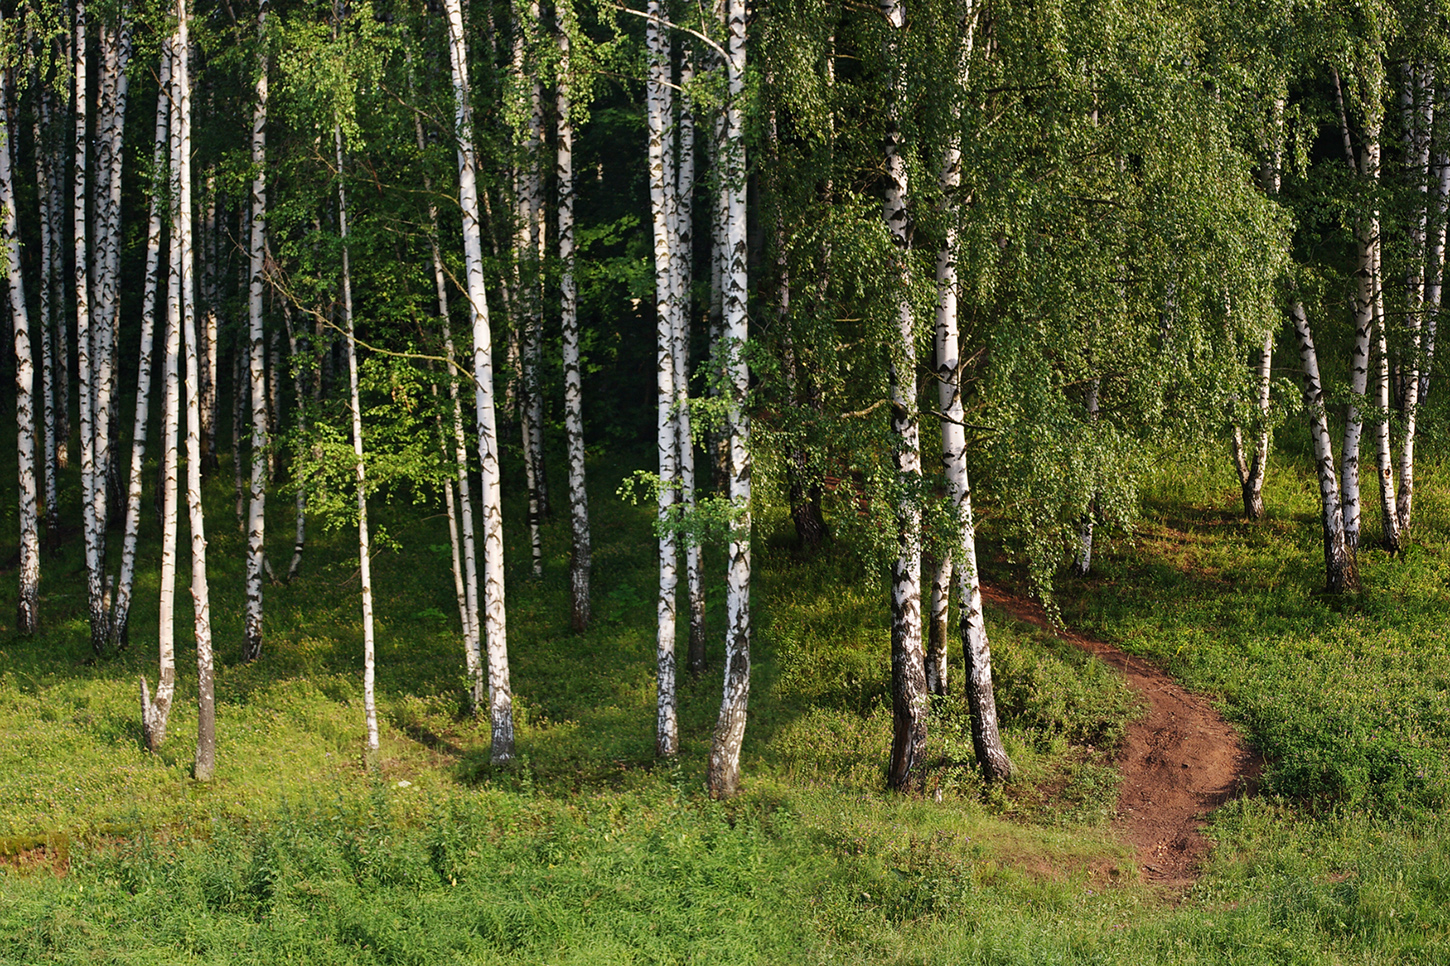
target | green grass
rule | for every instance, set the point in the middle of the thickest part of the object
(588, 850)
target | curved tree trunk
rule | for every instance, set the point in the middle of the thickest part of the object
(1340, 572)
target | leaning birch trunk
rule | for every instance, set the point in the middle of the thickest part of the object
(579, 555)
(1082, 563)
(661, 192)
(154, 714)
(1340, 572)
(257, 508)
(1366, 242)
(723, 775)
(464, 549)
(1251, 471)
(500, 697)
(28, 603)
(205, 761)
(908, 670)
(121, 606)
(981, 695)
(364, 553)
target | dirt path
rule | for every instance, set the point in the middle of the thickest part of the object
(1179, 762)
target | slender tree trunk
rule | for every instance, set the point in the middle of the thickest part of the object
(579, 556)
(121, 607)
(1340, 572)
(940, 569)
(154, 714)
(28, 602)
(682, 265)
(1435, 268)
(1367, 236)
(465, 555)
(257, 509)
(494, 620)
(364, 553)
(981, 694)
(49, 308)
(662, 194)
(1251, 470)
(723, 775)
(299, 415)
(205, 762)
(92, 493)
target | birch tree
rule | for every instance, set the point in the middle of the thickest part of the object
(156, 712)
(981, 696)
(500, 695)
(658, 110)
(160, 166)
(723, 775)
(579, 554)
(257, 509)
(28, 600)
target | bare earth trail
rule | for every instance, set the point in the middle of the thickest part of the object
(1179, 762)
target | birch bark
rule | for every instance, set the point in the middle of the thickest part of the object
(579, 556)
(257, 508)
(662, 188)
(723, 774)
(155, 713)
(1340, 572)
(205, 761)
(494, 621)
(28, 601)
(49, 314)
(121, 607)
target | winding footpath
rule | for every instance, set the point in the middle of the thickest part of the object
(1180, 761)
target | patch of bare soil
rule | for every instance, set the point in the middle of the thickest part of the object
(1180, 761)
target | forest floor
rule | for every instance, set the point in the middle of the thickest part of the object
(1179, 762)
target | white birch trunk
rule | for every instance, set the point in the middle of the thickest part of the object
(121, 607)
(1367, 235)
(658, 104)
(92, 476)
(155, 713)
(257, 508)
(299, 538)
(981, 695)
(49, 312)
(205, 761)
(495, 625)
(55, 189)
(1420, 119)
(723, 776)
(682, 265)
(364, 552)
(465, 554)
(1340, 573)
(1435, 269)
(27, 619)
(908, 672)
(580, 555)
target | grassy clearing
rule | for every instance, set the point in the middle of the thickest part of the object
(589, 851)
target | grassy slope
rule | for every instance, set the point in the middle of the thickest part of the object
(588, 851)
